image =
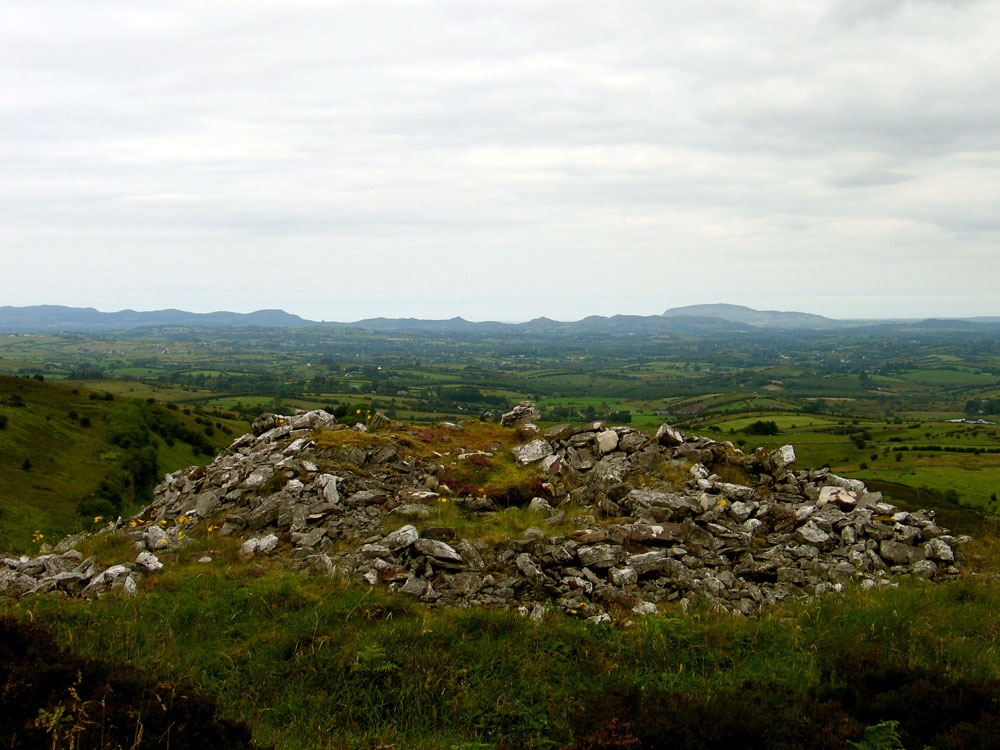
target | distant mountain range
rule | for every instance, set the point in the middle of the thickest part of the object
(717, 318)
(758, 318)
(87, 319)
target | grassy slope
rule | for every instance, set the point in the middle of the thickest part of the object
(67, 460)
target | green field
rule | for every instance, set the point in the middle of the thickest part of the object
(950, 377)
(975, 485)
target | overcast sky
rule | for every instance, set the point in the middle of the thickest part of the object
(501, 160)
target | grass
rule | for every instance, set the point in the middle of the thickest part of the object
(974, 485)
(62, 432)
(313, 663)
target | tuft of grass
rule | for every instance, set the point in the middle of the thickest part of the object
(342, 438)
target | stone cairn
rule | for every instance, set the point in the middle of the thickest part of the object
(652, 518)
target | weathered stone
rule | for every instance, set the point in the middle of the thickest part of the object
(937, 549)
(523, 412)
(811, 533)
(265, 422)
(783, 459)
(536, 450)
(665, 533)
(606, 441)
(366, 497)
(470, 555)
(552, 464)
(899, 553)
(539, 505)
(925, 568)
(258, 477)
(693, 453)
(148, 561)
(674, 503)
(668, 436)
(417, 496)
(531, 569)
(205, 503)
(600, 555)
(528, 430)
(414, 586)
(311, 538)
(156, 538)
(328, 484)
(854, 485)
(259, 545)
(401, 537)
(437, 549)
(631, 442)
(843, 498)
(716, 540)
(561, 431)
(623, 576)
(736, 491)
(740, 511)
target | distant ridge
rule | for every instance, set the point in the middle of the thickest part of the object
(760, 318)
(693, 319)
(68, 319)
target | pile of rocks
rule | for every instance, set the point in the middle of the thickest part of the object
(641, 519)
(67, 572)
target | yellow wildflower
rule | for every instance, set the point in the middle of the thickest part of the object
(98, 519)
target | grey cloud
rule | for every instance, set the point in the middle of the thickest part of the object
(462, 132)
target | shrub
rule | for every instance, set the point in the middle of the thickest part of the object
(760, 427)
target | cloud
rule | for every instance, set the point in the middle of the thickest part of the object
(581, 151)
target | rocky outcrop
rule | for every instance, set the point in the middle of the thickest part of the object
(633, 521)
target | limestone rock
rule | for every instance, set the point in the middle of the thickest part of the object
(536, 450)
(401, 537)
(437, 549)
(523, 412)
(669, 436)
(607, 441)
(149, 562)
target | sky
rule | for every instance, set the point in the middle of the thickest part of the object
(501, 160)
